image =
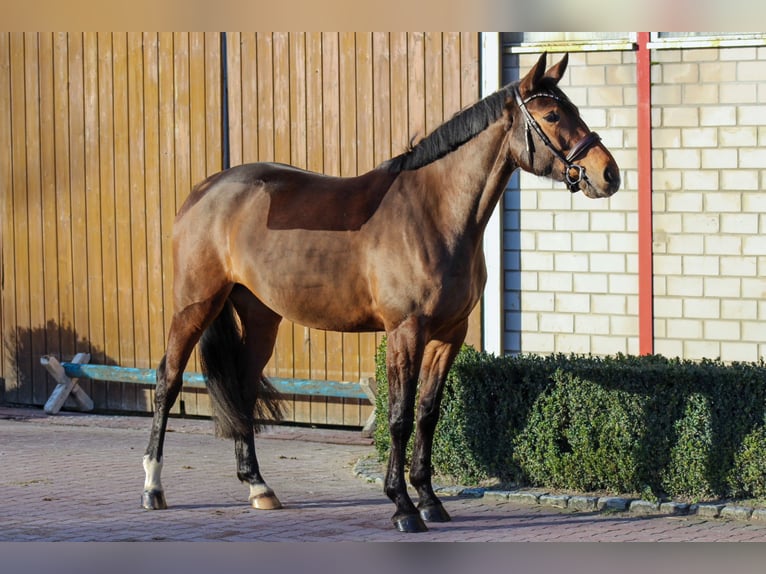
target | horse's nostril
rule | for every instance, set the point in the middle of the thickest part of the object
(612, 176)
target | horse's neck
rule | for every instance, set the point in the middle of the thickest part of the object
(473, 178)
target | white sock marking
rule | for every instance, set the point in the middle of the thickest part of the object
(257, 490)
(153, 469)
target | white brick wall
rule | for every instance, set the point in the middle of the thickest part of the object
(709, 264)
(571, 277)
(573, 282)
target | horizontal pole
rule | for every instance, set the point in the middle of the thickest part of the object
(312, 387)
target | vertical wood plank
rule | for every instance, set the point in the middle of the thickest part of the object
(451, 92)
(197, 108)
(400, 133)
(249, 72)
(108, 224)
(184, 157)
(381, 96)
(349, 166)
(332, 166)
(34, 214)
(234, 70)
(348, 152)
(167, 183)
(94, 335)
(197, 141)
(281, 66)
(265, 78)
(123, 215)
(21, 331)
(316, 162)
(365, 114)
(154, 213)
(133, 396)
(182, 117)
(383, 101)
(79, 253)
(313, 340)
(347, 117)
(212, 115)
(138, 208)
(298, 99)
(167, 198)
(416, 85)
(264, 97)
(49, 212)
(301, 352)
(64, 226)
(469, 64)
(7, 290)
(433, 87)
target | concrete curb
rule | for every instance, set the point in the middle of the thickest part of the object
(370, 470)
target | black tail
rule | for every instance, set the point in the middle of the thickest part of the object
(238, 405)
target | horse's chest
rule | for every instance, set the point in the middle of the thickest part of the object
(449, 290)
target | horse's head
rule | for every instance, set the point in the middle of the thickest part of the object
(548, 136)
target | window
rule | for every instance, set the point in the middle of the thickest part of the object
(521, 42)
(667, 40)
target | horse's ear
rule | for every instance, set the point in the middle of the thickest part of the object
(530, 82)
(557, 70)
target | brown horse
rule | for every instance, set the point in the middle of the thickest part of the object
(398, 249)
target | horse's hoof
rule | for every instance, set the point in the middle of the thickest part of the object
(434, 513)
(410, 523)
(265, 502)
(153, 500)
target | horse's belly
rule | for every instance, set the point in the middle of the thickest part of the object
(320, 310)
(322, 304)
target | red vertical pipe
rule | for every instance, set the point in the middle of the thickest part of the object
(645, 268)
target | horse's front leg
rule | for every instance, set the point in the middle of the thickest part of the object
(404, 353)
(437, 360)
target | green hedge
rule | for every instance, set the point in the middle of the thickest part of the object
(620, 424)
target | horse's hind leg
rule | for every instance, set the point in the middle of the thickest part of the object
(185, 330)
(437, 360)
(260, 326)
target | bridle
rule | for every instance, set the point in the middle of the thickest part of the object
(568, 160)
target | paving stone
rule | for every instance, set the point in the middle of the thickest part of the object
(583, 503)
(555, 500)
(709, 510)
(674, 508)
(524, 497)
(499, 494)
(472, 492)
(53, 491)
(644, 507)
(736, 512)
(614, 503)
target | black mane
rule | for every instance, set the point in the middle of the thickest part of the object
(452, 134)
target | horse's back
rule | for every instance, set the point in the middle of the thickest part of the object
(294, 198)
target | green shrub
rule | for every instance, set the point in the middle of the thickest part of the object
(687, 471)
(620, 424)
(747, 476)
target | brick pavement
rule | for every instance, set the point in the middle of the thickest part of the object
(75, 477)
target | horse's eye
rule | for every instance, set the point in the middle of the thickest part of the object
(551, 117)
